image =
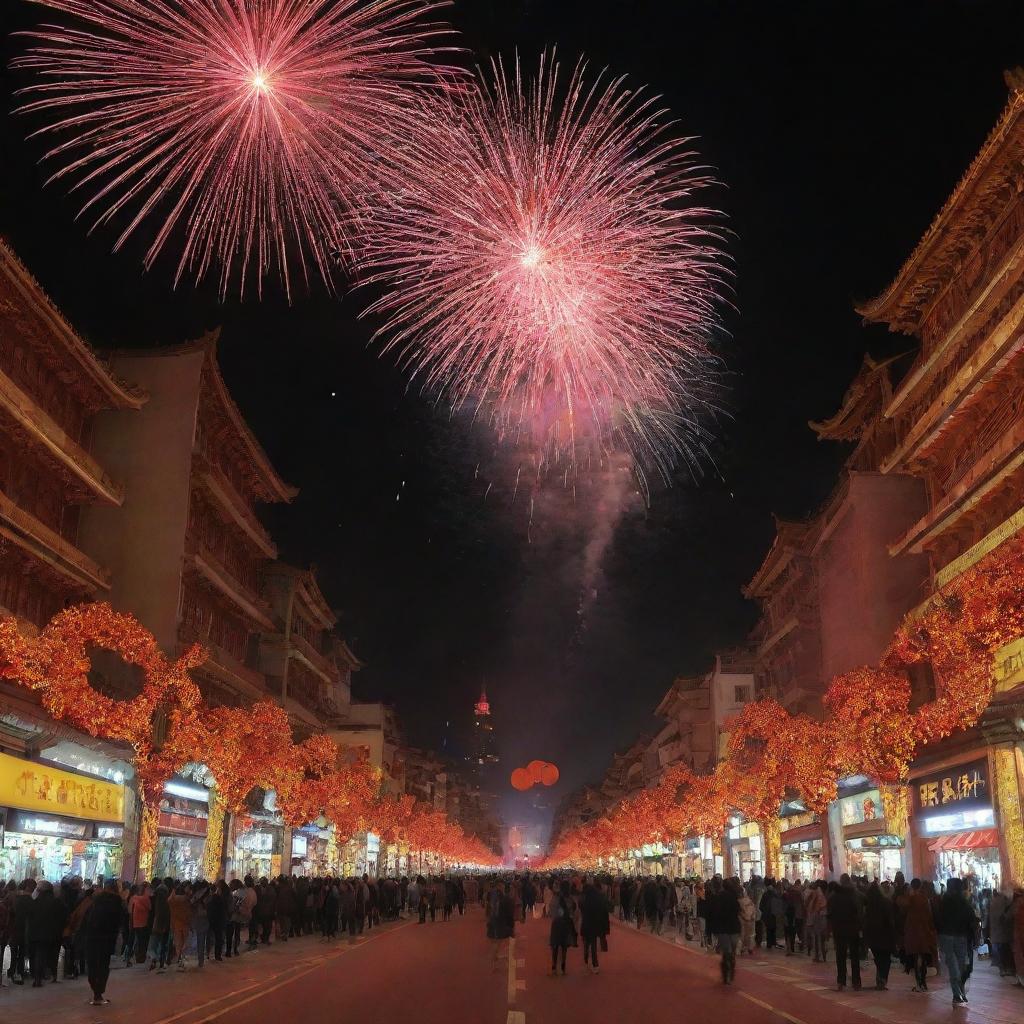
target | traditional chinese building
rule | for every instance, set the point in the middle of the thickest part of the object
(62, 794)
(955, 423)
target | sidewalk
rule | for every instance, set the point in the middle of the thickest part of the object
(140, 996)
(993, 1000)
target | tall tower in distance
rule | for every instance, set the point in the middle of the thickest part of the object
(483, 735)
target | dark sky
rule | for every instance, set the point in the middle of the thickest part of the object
(839, 129)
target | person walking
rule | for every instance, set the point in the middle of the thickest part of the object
(724, 924)
(844, 917)
(563, 931)
(957, 927)
(503, 925)
(1000, 928)
(815, 908)
(919, 937)
(287, 908)
(102, 925)
(880, 933)
(594, 924)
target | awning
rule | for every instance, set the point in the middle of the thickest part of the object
(965, 840)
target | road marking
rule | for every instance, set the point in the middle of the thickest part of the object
(772, 1009)
(512, 988)
(515, 1017)
(295, 975)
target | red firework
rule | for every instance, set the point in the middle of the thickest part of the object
(547, 267)
(245, 127)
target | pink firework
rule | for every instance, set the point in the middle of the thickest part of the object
(547, 267)
(245, 129)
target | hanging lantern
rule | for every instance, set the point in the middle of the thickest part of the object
(536, 770)
(521, 779)
(549, 775)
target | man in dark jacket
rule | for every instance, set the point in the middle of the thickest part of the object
(957, 925)
(844, 917)
(594, 923)
(101, 927)
(20, 907)
(44, 928)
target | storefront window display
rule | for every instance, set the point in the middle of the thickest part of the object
(55, 822)
(956, 823)
(875, 857)
(870, 850)
(745, 850)
(181, 830)
(254, 850)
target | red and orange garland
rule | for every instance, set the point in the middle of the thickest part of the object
(243, 748)
(868, 728)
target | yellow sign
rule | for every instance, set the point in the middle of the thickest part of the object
(30, 786)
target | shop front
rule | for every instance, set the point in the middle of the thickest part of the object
(746, 850)
(955, 830)
(869, 848)
(257, 841)
(800, 843)
(310, 846)
(55, 822)
(181, 830)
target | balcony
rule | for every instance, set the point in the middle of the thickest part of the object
(220, 579)
(313, 659)
(219, 488)
(43, 433)
(224, 666)
(23, 529)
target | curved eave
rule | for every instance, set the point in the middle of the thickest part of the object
(117, 394)
(900, 305)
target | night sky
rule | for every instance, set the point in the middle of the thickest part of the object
(838, 131)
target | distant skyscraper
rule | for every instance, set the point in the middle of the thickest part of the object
(483, 734)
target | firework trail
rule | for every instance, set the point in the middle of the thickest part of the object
(244, 128)
(547, 267)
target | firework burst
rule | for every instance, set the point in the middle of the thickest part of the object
(246, 129)
(546, 265)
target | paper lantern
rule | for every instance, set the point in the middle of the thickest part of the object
(549, 775)
(521, 779)
(536, 770)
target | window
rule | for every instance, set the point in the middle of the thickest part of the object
(741, 694)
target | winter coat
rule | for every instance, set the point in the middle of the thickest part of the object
(286, 905)
(46, 918)
(843, 912)
(724, 913)
(217, 909)
(104, 920)
(161, 911)
(180, 911)
(956, 917)
(266, 903)
(594, 920)
(563, 931)
(505, 918)
(139, 907)
(919, 935)
(880, 924)
(1000, 922)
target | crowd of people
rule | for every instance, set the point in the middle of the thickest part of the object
(917, 925)
(77, 928)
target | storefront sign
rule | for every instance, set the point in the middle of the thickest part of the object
(181, 824)
(47, 825)
(954, 789)
(32, 786)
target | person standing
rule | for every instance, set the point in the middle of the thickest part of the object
(815, 908)
(880, 933)
(179, 908)
(287, 907)
(957, 926)
(504, 921)
(140, 904)
(217, 912)
(594, 924)
(843, 913)
(101, 924)
(43, 931)
(201, 920)
(919, 938)
(748, 913)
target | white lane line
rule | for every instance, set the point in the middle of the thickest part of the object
(515, 1017)
(512, 970)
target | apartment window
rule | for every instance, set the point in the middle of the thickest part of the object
(741, 694)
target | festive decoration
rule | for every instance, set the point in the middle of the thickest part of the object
(241, 748)
(868, 729)
(521, 780)
(245, 128)
(553, 271)
(549, 775)
(535, 770)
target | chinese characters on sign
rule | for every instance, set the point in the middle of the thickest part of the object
(37, 786)
(960, 787)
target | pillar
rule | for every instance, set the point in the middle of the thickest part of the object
(1008, 762)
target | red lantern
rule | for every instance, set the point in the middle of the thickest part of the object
(549, 776)
(521, 779)
(536, 770)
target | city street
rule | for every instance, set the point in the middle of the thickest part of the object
(443, 972)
